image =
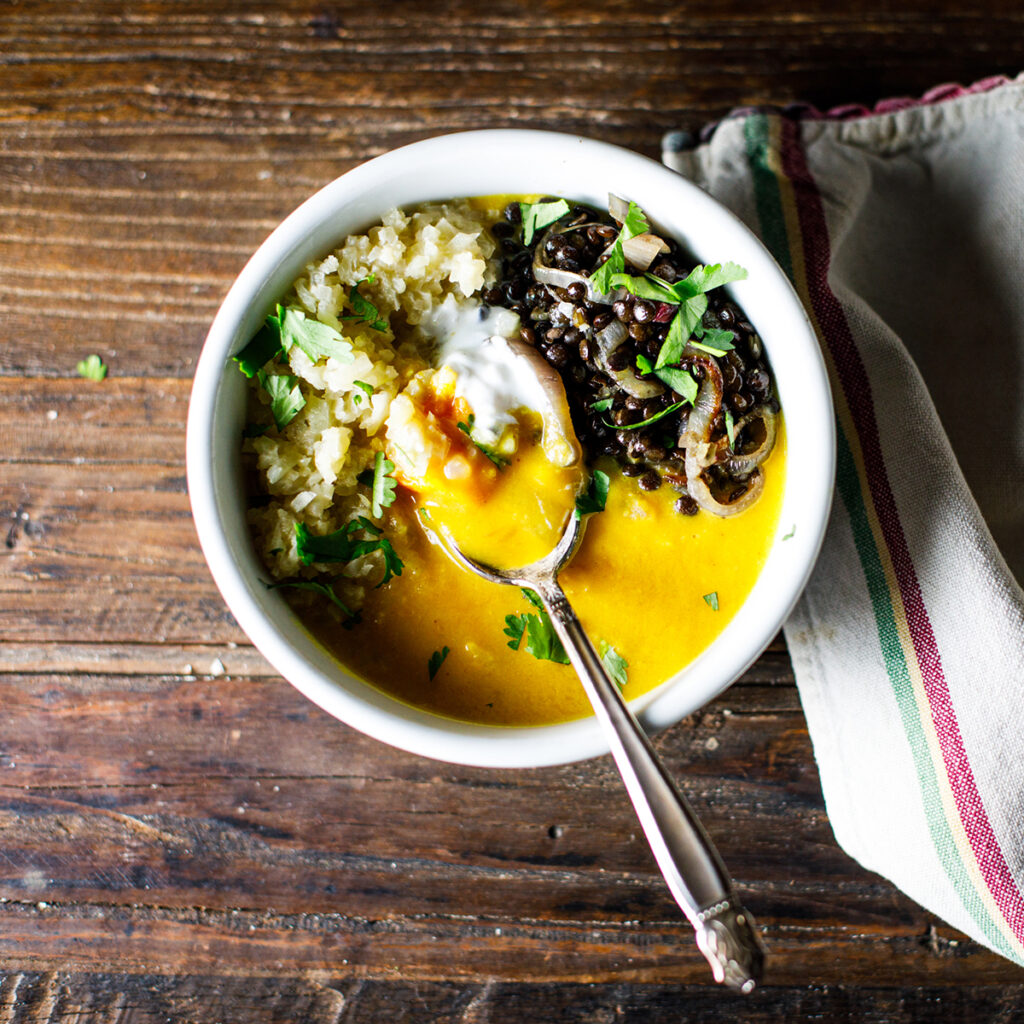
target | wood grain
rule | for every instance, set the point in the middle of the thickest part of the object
(182, 835)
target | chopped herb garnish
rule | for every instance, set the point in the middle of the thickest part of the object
(679, 331)
(343, 546)
(691, 298)
(285, 397)
(540, 215)
(383, 485)
(679, 381)
(541, 640)
(515, 627)
(714, 275)
(635, 224)
(467, 428)
(693, 304)
(367, 389)
(363, 310)
(791, 532)
(715, 340)
(594, 497)
(284, 328)
(265, 344)
(602, 404)
(316, 587)
(646, 287)
(651, 419)
(711, 600)
(436, 661)
(615, 664)
(730, 427)
(92, 368)
(317, 340)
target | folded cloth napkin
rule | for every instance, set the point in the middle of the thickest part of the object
(902, 229)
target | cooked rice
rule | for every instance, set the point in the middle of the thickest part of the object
(310, 468)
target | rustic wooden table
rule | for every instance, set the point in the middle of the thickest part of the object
(182, 835)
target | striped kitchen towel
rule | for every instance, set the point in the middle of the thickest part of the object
(902, 229)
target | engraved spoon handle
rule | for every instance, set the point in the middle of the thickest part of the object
(696, 876)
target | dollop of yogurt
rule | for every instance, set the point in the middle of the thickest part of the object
(473, 342)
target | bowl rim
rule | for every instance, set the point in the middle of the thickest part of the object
(279, 635)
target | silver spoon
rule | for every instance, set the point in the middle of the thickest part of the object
(726, 933)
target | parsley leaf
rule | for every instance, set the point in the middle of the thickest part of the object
(679, 381)
(615, 664)
(540, 215)
(716, 337)
(363, 310)
(515, 626)
(730, 427)
(541, 640)
(285, 397)
(652, 419)
(646, 287)
(711, 600)
(393, 565)
(467, 428)
(635, 224)
(383, 485)
(265, 344)
(679, 331)
(602, 404)
(342, 546)
(317, 340)
(316, 587)
(436, 661)
(367, 389)
(594, 497)
(705, 278)
(603, 276)
(693, 303)
(92, 368)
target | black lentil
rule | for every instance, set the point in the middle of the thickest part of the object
(578, 243)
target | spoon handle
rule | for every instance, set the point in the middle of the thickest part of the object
(696, 876)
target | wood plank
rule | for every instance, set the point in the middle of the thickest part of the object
(326, 998)
(238, 943)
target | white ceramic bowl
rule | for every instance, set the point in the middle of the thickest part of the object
(485, 163)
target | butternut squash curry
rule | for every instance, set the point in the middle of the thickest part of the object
(492, 366)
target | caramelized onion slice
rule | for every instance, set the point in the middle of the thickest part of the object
(605, 343)
(747, 462)
(699, 490)
(695, 437)
(641, 250)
